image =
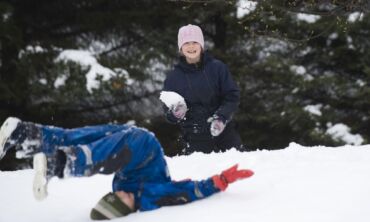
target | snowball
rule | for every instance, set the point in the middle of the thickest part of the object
(170, 99)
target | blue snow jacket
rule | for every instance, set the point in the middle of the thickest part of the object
(132, 154)
(208, 89)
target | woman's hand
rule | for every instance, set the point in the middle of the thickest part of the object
(179, 110)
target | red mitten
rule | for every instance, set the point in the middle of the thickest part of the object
(229, 176)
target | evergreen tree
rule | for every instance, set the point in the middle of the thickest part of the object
(286, 56)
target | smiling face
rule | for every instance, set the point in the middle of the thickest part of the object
(191, 51)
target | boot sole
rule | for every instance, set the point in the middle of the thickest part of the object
(40, 181)
(6, 131)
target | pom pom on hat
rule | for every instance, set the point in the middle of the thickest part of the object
(190, 33)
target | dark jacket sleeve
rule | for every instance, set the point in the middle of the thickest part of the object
(230, 95)
(175, 193)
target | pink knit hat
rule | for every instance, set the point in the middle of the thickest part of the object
(190, 33)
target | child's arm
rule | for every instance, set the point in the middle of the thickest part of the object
(176, 193)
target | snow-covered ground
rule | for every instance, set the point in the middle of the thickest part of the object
(295, 184)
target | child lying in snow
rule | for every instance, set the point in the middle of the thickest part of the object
(141, 177)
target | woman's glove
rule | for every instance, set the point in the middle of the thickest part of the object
(217, 125)
(179, 110)
(230, 176)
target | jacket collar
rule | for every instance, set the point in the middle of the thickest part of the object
(205, 58)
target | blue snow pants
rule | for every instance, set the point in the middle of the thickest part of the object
(135, 157)
(143, 159)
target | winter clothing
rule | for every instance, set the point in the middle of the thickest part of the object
(180, 110)
(132, 154)
(217, 125)
(40, 168)
(208, 90)
(230, 176)
(190, 33)
(26, 134)
(6, 130)
(109, 207)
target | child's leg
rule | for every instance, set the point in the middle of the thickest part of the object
(55, 137)
(104, 155)
(134, 154)
(60, 144)
(29, 138)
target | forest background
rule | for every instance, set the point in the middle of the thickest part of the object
(302, 66)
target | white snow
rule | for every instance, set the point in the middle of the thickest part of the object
(297, 183)
(307, 17)
(245, 7)
(35, 49)
(341, 132)
(360, 83)
(87, 60)
(171, 99)
(43, 81)
(355, 16)
(301, 71)
(31, 49)
(314, 109)
(60, 81)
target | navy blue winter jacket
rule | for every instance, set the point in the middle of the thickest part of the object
(208, 89)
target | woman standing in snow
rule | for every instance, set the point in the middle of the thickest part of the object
(211, 97)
